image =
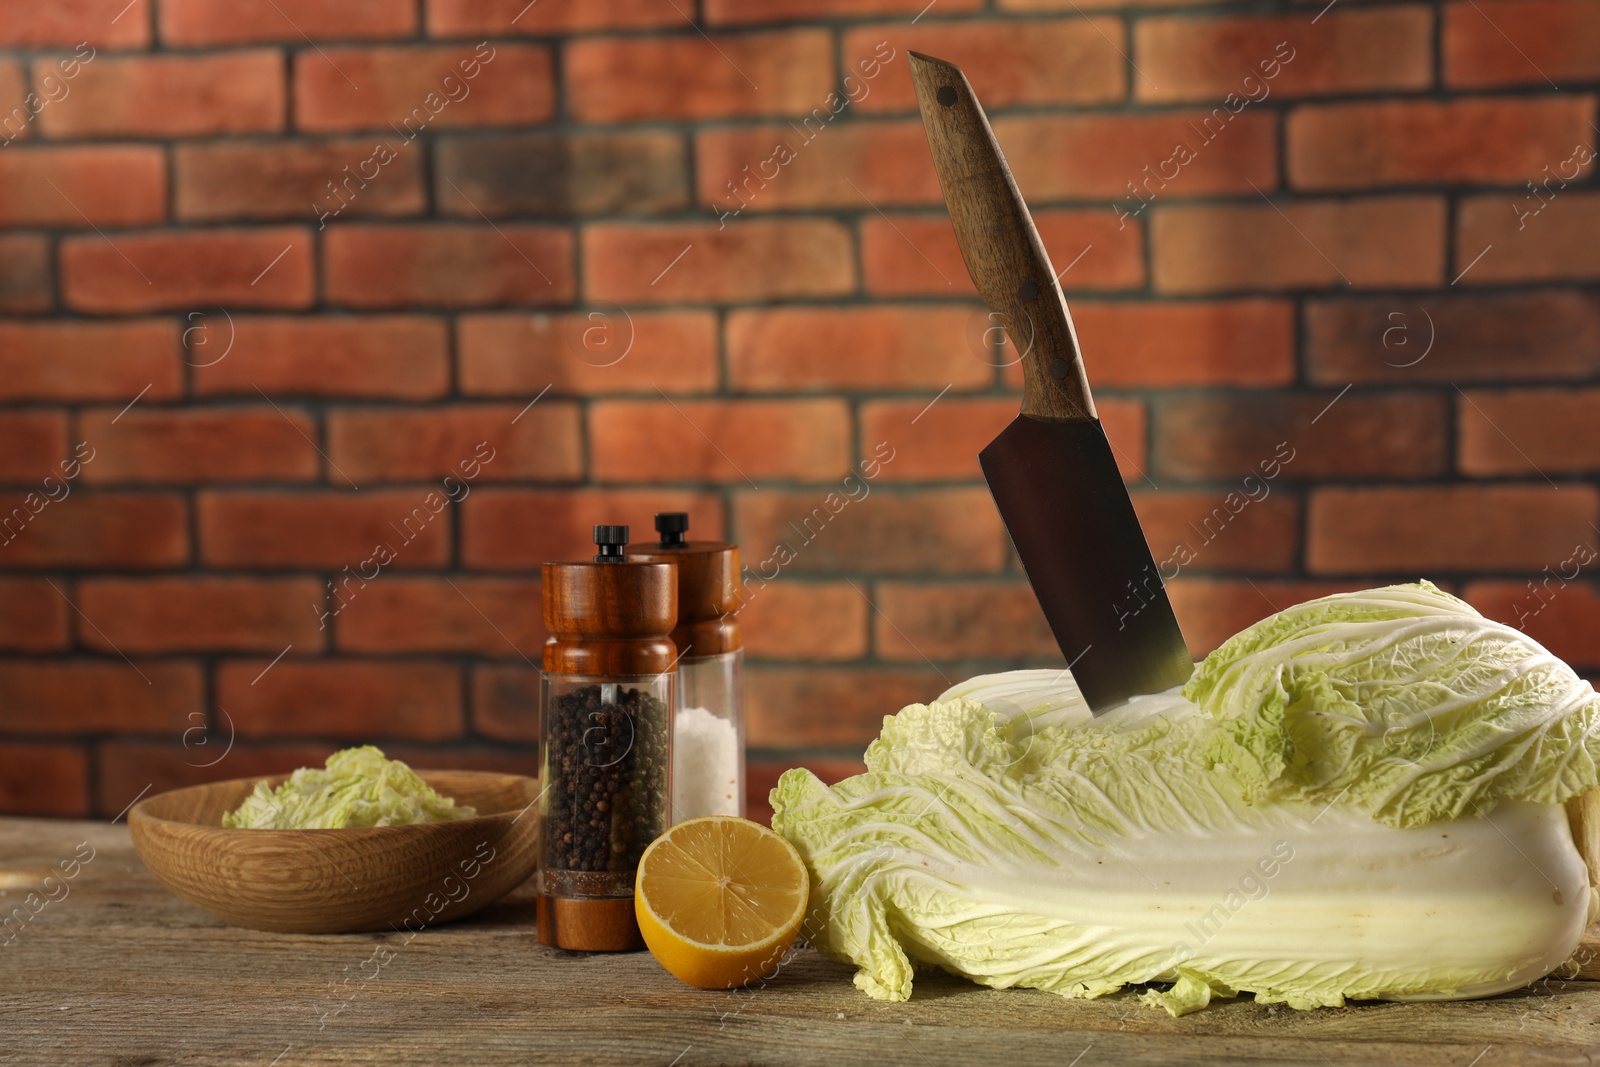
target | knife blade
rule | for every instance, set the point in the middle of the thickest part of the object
(1052, 471)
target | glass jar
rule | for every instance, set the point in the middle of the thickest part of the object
(708, 728)
(608, 698)
(605, 776)
(708, 757)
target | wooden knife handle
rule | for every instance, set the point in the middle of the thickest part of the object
(998, 240)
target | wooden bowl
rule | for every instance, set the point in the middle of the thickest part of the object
(341, 881)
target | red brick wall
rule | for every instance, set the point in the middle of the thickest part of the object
(260, 293)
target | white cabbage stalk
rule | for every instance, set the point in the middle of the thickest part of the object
(1358, 798)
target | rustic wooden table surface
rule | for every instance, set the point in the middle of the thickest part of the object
(120, 972)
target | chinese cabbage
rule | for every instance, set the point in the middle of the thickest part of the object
(1322, 813)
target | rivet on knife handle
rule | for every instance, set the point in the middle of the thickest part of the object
(998, 240)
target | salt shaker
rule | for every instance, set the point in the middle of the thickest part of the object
(708, 733)
(608, 697)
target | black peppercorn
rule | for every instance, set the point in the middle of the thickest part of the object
(607, 795)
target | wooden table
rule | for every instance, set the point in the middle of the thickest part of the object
(120, 972)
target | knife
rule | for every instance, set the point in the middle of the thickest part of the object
(1052, 471)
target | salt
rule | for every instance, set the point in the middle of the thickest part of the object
(705, 765)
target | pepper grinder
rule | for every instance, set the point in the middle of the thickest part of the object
(608, 697)
(708, 753)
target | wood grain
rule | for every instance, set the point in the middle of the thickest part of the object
(121, 972)
(338, 881)
(609, 618)
(588, 924)
(708, 594)
(1001, 246)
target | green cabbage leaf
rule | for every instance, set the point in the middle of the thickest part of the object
(1403, 702)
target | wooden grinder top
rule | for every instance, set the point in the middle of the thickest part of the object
(708, 586)
(612, 615)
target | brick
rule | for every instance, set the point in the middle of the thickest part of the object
(346, 178)
(917, 622)
(44, 780)
(1068, 157)
(1381, 241)
(1552, 244)
(761, 775)
(405, 91)
(1560, 613)
(238, 269)
(861, 165)
(1549, 335)
(749, 261)
(519, 529)
(17, 111)
(1074, 5)
(447, 265)
(865, 348)
(1394, 435)
(197, 445)
(65, 360)
(873, 531)
(940, 441)
(1520, 42)
(748, 11)
(505, 702)
(201, 614)
(35, 619)
(84, 186)
(102, 23)
(342, 698)
(507, 18)
(1422, 531)
(912, 255)
(815, 707)
(611, 79)
(588, 353)
(67, 697)
(1221, 342)
(400, 357)
(32, 443)
(194, 23)
(344, 533)
(1412, 142)
(812, 621)
(1014, 63)
(27, 282)
(396, 444)
(172, 96)
(497, 618)
(129, 768)
(1528, 431)
(562, 175)
(1222, 530)
(99, 530)
(719, 440)
(1211, 610)
(1347, 51)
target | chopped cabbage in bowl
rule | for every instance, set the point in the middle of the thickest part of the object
(358, 787)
